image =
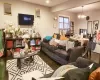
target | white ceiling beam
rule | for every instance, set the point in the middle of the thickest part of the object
(71, 4)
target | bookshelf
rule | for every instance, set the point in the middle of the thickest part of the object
(18, 43)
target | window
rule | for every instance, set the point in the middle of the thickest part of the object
(64, 22)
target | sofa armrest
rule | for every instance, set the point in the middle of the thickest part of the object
(75, 53)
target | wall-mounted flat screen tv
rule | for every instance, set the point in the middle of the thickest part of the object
(25, 19)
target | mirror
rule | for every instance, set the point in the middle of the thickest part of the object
(7, 9)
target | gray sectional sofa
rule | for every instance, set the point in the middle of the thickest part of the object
(62, 56)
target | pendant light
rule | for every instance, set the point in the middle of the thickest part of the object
(81, 16)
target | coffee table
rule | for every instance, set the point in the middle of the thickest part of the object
(29, 56)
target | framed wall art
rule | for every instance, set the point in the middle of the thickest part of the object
(37, 12)
(7, 9)
(95, 25)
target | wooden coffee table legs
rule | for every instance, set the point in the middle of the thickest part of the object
(31, 59)
(19, 63)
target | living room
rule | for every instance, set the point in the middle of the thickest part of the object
(58, 37)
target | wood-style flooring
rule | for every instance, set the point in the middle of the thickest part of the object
(49, 61)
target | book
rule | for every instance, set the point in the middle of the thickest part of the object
(32, 42)
(9, 44)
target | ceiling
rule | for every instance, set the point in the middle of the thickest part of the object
(43, 2)
(90, 7)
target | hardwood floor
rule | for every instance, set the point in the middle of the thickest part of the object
(49, 61)
(95, 57)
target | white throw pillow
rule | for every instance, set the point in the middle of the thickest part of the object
(52, 41)
(69, 44)
(57, 41)
(63, 42)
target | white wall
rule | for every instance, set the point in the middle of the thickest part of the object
(82, 23)
(44, 25)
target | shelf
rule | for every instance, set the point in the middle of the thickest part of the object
(17, 43)
(20, 47)
(15, 47)
(21, 38)
(10, 48)
(35, 45)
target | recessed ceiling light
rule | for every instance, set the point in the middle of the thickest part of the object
(47, 1)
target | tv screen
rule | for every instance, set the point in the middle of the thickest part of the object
(25, 19)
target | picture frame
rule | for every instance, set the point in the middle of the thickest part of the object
(7, 9)
(95, 25)
(37, 12)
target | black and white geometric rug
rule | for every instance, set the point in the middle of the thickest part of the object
(16, 74)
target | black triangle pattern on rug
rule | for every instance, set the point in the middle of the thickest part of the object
(16, 74)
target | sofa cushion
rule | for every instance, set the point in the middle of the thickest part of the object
(61, 47)
(62, 53)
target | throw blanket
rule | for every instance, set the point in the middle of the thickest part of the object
(62, 70)
(77, 74)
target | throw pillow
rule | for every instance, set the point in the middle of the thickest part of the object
(52, 42)
(57, 41)
(62, 42)
(54, 36)
(62, 37)
(48, 38)
(69, 45)
(95, 75)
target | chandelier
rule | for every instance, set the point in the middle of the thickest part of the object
(81, 16)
